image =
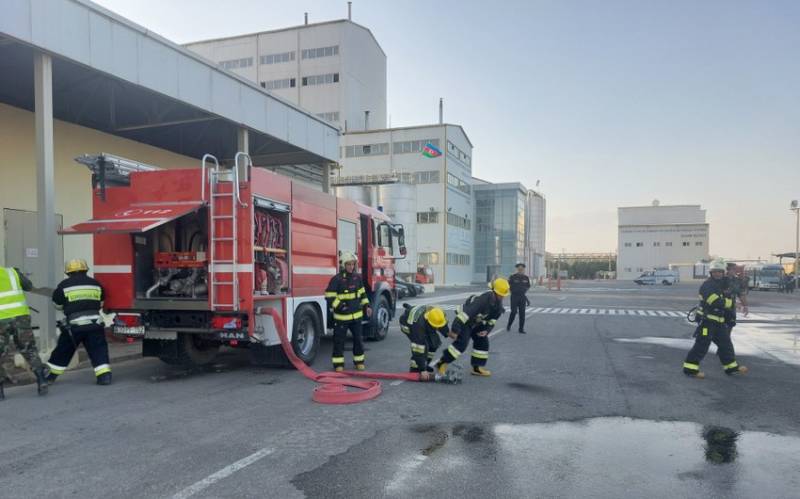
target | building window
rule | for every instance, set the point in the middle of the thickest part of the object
(656, 244)
(236, 63)
(458, 184)
(320, 52)
(668, 243)
(458, 153)
(320, 79)
(460, 222)
(428, 258)
(457, 259)
(428, 217)
(698, 243)
(639, 245)
(332, 116)
(413, 145)
(277, 58)
(628, 269)
(428, 177)
(628, 245)
(640, 269)
(686, 243)
(366, 150)
(278, 84)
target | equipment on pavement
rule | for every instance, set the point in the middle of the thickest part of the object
(191, 258)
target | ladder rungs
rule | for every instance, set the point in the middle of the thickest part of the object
(216, 239)
(222, 217)
(222, 194)
(223, 283)
(215, 262)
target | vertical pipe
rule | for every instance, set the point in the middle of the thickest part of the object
(441, 110)
(349, 11)
(796, 244)
(366, 120)
(45, 188)
(306, 18)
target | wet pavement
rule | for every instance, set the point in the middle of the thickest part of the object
(600, 457)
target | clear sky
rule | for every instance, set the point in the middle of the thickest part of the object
(607, 103)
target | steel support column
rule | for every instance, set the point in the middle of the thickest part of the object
(326, 177)
(45, 192)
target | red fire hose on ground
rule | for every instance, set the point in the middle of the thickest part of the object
(334, 386)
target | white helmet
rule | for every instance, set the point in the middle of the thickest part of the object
(717, 265)
(347, 256)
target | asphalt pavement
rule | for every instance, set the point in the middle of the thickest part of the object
(590, 403)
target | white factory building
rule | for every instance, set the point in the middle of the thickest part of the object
(661, 237)
(335, 69)
(432, 196)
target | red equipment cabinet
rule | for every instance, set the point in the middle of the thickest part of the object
(191, 257)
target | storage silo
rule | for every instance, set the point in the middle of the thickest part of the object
(399, 202)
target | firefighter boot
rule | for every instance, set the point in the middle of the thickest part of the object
(339, 369)
(41, 381)
(480, 371)
(442, 368)
(361, 367)
(696, 375)
(104, 379)
(52, 377)
(741, 370)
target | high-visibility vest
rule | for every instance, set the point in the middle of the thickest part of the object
(12, 298)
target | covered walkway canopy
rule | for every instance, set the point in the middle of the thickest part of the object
(75, 61)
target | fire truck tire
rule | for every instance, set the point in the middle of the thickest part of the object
(306, 333)
(379, 323)
(192, 350)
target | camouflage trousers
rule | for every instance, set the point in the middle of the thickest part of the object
(19, 331)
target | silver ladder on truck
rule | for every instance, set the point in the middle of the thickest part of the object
(223, 206)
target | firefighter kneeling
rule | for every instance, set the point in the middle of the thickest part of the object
(81, 299)
(348, 302)
(423, 325)
(475, 320)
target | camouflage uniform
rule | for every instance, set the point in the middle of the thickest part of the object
(18, 330)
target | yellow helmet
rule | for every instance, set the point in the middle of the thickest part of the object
(500, 286)
(718, 264)
(436, 318)
(347, 256)
(76, 265)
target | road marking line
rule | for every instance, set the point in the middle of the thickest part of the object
(222, 474)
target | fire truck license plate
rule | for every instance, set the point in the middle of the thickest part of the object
(129, 331)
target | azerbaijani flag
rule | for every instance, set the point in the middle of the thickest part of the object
(430, 151)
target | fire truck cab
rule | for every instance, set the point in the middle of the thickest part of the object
(190, 258)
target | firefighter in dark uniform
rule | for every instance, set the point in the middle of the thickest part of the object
(15, 325)
(80, 298)
(475, 320)
(348, 302)
(713, 314)
(423, 325)
(520, 284)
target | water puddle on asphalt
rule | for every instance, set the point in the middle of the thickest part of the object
(601, 457)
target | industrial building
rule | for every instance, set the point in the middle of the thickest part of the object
(76, 78)
(509, 229)
(661, 237)
(422, 177)
(335, 69)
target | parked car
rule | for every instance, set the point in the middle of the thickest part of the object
(406, 289)
(652, 277)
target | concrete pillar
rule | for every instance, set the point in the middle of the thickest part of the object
(243, 140)
(45, 192)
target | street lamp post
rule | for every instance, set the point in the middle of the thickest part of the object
(795, 206)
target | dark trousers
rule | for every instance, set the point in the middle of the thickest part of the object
(339, 335)
(706, 333)
(518, 304)
(480, 348)
(93, 340)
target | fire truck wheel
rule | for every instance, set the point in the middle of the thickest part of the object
(193, 350)
(379, 323)
(306, 333)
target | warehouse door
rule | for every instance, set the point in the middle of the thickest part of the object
(22, 242)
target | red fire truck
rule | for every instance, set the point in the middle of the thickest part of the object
(189, 258)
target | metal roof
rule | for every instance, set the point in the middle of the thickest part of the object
(116, 76)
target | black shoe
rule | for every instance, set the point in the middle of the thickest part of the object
(104, 379)
(522, 331)
(2, 394)
(508, 328)
(51, 378)
(41, 381)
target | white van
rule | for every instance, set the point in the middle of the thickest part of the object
(653, 277)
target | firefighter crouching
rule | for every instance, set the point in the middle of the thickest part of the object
(80, 298)
(15, 325)
(714, 314)
(348, 302)
(475, 320)
(423, 325)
